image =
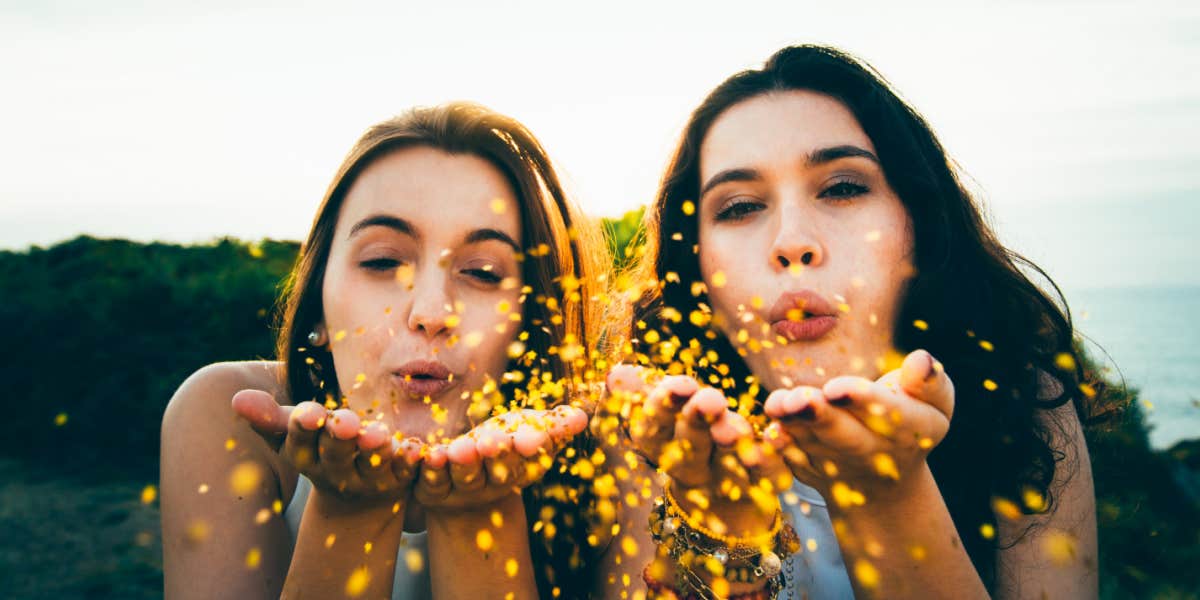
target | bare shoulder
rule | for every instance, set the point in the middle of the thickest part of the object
(1055, 554)
(209, 514)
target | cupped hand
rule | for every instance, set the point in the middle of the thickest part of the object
(864, 434)
(334, 449)
(712, 454)
(496, 458)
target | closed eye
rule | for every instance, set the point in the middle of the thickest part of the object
(843, 190)
(738, 210)
(483, 275)
(380, 264)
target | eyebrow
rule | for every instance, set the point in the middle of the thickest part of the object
(814, 159)
(403, 226)
(828, 155)
(395, 223)
(482, 235)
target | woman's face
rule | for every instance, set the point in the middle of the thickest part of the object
(422, 286)
(804, 247)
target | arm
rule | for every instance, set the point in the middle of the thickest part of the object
(208, 536)
(1057, 558)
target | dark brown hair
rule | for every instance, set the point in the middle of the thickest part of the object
(565, 259)
(967, 288)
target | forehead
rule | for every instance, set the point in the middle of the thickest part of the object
(778, 128)
(442, 194)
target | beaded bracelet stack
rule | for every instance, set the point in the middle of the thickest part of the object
(741, 560)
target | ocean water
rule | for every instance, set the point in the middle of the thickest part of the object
(1152, 338)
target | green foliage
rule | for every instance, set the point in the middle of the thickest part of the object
(624, 236)
(104, 331)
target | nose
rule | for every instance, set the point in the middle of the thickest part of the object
(431, 307)
(795, 242)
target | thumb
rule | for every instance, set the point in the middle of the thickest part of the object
(266, 417)
(923, 377)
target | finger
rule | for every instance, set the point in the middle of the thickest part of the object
(491, 439)
(530, 439)
(730, 428)
(626, 378)
(374, 466)
(407, 460)
(304, 427)
(885, 410)
(924, 378)
(336, 445)
(466, 466)
(434, 483)
(686, 457)
(816, 421)
(566, 422)
(501, 469)
(655, 422)
(266, 417)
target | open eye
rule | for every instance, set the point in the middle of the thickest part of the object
(738, 209)
(843, 190)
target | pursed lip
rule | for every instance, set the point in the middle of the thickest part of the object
(816, 316)
(422, 378)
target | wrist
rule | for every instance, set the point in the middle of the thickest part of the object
(510, 508)
(885, 498)
(742, 517)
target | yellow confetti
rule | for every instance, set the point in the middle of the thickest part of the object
(511, 566)
(245, 478)
(1064, 361)
(866, 573)
(1006, 508)
(629, 546)
(149, 493)
(989, 385)
(1060, 547)
(503, 307)
(689, 208)
(885, 466)
(873, 236)
(986, 345)
(60, 419)
(922, 325)
(358, 581)
(198, 531)
(987, 530)
(262, 516)
(719, 280)
(498, 206)
(253, 558)
(484, 540)
(230, 444)
(473, 339)
(414, 560)
(497, 519)
(203, 489)
(329, 539)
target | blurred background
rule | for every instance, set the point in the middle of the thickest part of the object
(159, 162)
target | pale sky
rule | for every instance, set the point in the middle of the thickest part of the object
(186, 121)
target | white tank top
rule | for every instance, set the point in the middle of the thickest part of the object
(407, 585)
(815, 572)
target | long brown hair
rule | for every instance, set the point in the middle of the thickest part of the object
(565, 260)
(968, 289)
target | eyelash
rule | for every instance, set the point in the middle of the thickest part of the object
(482, 275)
(737, 211)
(380, 264)
(845, 190)
(387, 264)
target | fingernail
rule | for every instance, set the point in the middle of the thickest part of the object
(839, 401)
(932, 370)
